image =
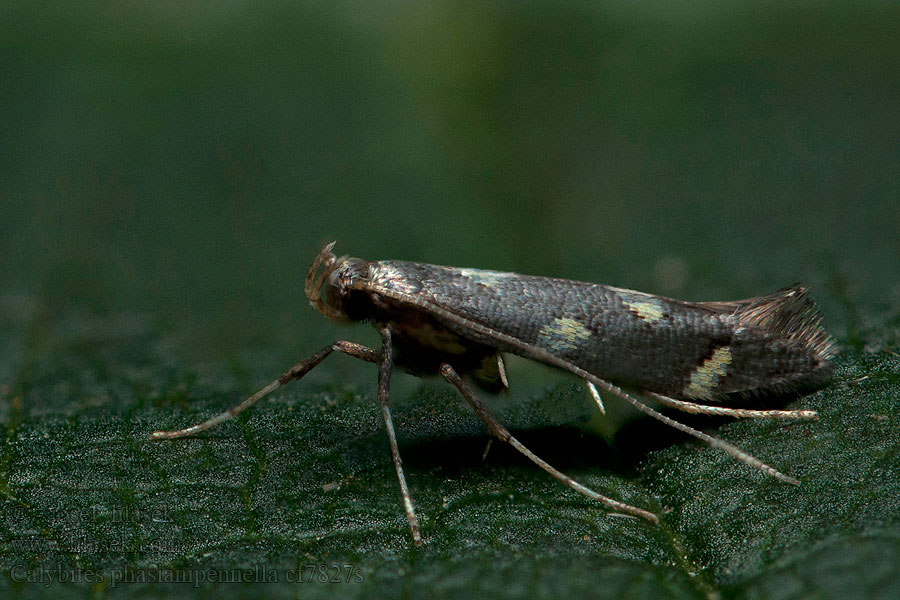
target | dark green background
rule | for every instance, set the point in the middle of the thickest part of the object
(170, 169)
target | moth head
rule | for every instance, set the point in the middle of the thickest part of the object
(332, 286)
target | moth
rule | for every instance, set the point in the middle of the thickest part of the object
(458, 323)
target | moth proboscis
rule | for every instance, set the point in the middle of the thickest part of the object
(459, 322)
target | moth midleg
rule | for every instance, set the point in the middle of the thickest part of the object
(739, 413)
(385, 366)
(500, 432)
(296, 372)
(741, 455)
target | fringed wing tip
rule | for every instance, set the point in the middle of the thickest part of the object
(791, 313)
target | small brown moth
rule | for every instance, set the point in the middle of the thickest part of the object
(458, 323)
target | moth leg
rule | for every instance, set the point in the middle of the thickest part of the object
(705, 409)
(296, 372)
(741, 455)
(503, 434)
(385, 366)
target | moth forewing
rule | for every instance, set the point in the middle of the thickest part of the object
(516, 346)
(706, 351)
(457, 322)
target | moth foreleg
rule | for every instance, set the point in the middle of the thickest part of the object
(385, 366)
(296, 372)
(503, 434)
(739, 413)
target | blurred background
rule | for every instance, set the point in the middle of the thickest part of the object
(182, 163)
(169, 169)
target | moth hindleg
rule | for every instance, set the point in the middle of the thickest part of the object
(741, 455)
(296, 372)
(503, 434)
(739, 413)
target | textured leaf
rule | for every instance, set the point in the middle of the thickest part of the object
(306, 479)
(170, 172)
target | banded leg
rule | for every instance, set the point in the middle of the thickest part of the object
(731, 449)
(739, 413)
(503, 434)
(296, 372)
(385, 366)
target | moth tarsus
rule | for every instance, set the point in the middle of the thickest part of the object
(457, 323)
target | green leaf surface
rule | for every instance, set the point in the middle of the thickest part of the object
(170, 171)
(306, 479)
